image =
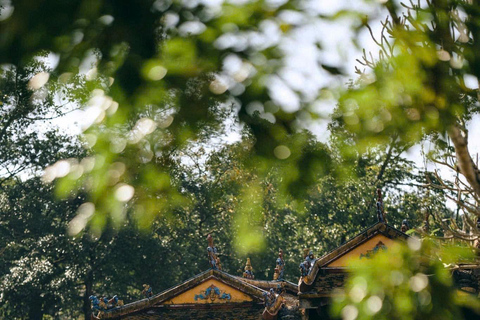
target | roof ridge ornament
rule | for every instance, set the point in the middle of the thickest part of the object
(307, 265)
(280, 267)
(101, 306)
(147, 291)
(405, 226)
(273, 303)
(426, 223)
(248, 273)
(380, 209)
(212, 252)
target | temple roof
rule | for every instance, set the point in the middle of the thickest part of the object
(378, 228)
(289, 287)
(363, 243)
(189, 293)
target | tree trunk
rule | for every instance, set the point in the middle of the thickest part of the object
(36, 308)
(88, 293)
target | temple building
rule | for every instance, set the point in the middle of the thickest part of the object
(215, 294)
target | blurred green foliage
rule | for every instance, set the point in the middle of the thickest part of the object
(162, 77)
(159, 81)
(161, 74)
(418, 85)
(58, 272)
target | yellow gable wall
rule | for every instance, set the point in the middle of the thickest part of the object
(188, 297)
(361, 249)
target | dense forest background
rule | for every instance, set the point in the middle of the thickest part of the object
(165, 84)
(47, 271)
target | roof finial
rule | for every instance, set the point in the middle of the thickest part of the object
(248, 273)
(380, 211)
(307, 265)
(405, 226)
(213, 259)
(147, 291)
(280, 267)
(426, 216)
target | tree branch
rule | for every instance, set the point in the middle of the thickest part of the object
(465, 163)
